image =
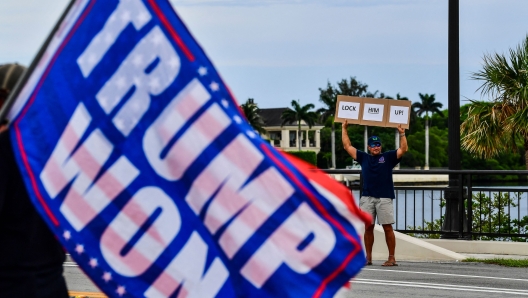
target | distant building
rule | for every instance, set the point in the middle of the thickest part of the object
(285, 137)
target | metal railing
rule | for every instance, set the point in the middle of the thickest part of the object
(484, 210)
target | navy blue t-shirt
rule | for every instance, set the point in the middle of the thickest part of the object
(377, 173)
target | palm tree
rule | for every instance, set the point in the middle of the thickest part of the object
(251, 112)
(427, 105)
(492, 127)
(298, 114)
(328, 97)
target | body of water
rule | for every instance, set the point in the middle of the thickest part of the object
(413, 208)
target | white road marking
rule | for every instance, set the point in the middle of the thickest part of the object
(449, 274)
(439, 286)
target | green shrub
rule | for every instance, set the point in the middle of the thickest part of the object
(308, 156)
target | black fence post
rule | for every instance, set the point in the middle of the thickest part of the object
(469, 207)
(452, 211)
(360, 186)
(461, 213)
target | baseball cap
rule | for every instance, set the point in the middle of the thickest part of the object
(373, 140)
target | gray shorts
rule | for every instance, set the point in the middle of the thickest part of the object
(380, 207)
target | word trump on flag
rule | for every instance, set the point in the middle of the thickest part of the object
(138, 158)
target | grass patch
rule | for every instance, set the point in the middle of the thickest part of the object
(502, 262)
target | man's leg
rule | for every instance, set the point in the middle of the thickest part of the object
(391, 241)
(385, 210)
(369, 242)
(367, 204)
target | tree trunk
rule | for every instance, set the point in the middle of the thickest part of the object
(365, 135)
(332, 136)
(299, 134)
(426, 144)
(397, 144)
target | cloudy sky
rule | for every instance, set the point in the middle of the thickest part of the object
(278, 50)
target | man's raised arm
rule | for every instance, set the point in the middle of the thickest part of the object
(346, 141)
(403, 142)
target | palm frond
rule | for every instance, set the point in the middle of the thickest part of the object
(505, 78)
(299, 113)
(484, 133)
(251, 112)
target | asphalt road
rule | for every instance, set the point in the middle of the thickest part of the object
(409, 279)
(77, 280)
(416, 279)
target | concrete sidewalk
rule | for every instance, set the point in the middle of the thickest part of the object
(414, 249)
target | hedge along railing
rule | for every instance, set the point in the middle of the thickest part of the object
(490, 213)
(308, 156)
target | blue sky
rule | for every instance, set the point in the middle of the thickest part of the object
(276, 51)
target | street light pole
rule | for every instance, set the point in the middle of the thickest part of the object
(452, 195)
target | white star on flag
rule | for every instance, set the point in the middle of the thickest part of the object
(202, 71)
(79, 248)
(251, 134)
(91, 59)
(137, 60)
(108, 38)
(120, 290)
(138, 82)
(237, 119)
(120, 82)
(214, 86)
(154, 83)
(143, 17)
(125, 17)
(157, 39)
(66, 235)
(173, 62)
(225, 103)
(93, 262)
(107, 276)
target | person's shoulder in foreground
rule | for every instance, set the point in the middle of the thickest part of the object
(30, 256)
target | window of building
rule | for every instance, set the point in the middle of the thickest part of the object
(275, 138)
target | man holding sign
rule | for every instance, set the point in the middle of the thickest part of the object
(378, 187)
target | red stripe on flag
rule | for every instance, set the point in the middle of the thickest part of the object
(339, 190)
(171, 30)
(28, 105)
(320, 208)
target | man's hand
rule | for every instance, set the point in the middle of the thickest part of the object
(344, 125)
(400, 129)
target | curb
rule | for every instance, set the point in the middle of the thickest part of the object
(77, 294)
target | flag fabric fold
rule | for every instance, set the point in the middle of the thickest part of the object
(135, 153)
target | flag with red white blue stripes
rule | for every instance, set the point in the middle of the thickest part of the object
(136, 154)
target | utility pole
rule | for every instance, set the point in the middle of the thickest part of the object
(452, 196)
(397, 145)
(365, 137)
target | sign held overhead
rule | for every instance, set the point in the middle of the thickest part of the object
(373, 111)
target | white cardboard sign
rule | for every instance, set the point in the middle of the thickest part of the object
(348, 110)
(373, 112)
(399, 114)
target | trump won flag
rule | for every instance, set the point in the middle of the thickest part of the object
(137, 156)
